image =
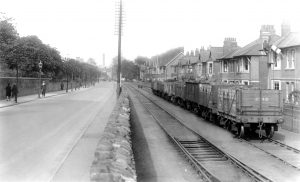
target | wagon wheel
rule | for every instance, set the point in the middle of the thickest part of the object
(269, 131)
(241, 131)
(228, 125)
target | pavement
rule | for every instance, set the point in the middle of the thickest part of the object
(28, 98)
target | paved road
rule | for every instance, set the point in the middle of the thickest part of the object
(36, 138)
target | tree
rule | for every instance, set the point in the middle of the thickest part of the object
(25, 54)
(129, 70)
(140, 60)
(91, 61)
(8, 33)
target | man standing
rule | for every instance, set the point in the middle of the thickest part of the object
(8, 91)
(15, 91)
(43, 89)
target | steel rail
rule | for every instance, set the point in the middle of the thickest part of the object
(274, 156)
(253, 174)
(202, 172)
(284, 145)
(278, 143)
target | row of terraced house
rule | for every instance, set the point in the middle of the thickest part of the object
(270, 62)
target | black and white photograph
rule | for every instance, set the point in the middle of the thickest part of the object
(149, 91)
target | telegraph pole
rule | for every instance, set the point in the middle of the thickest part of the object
(119, 49)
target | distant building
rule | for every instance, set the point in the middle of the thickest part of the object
(162, 66)
(171, 68)
(189, 66)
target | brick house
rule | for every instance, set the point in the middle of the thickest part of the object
(248, 65)
(162, 66)
(189, 66)
(171, 68)
(284, 59)
(210, 65)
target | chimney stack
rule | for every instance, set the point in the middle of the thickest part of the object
(229, 45)
(266, 31)
(285, 28)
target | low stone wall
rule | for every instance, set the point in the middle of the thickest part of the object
(114, 159)
(29, 86)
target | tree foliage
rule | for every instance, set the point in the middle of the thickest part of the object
(140, 60)
(24, 54)
(129, 70)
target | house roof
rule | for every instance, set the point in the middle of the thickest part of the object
(290, 40)
(216, 52)
(188, 59)
(166, 57)
(230, 54)
(253, 48)
(204, 55)
(178, 56)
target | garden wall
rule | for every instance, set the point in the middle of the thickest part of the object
(29, 86)
(291, 117)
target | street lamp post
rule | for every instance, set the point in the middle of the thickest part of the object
(40, 79)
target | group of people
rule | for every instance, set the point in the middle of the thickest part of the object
(11, 92)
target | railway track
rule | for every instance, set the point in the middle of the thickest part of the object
(278, 150)
(290, 156)
(211, 163)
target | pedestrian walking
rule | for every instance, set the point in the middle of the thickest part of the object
(15, 91)
(8, 91)
(61, 85)
(43, 89)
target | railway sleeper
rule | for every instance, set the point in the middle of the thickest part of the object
(207, 156)
(196, 145)
(208, 159)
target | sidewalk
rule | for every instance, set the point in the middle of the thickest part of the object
(28, 98)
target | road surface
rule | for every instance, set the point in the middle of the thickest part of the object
(43, 139)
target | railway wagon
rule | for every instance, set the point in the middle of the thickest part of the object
(191, 96)
(169, 90)
(204, 98)
(249, 109)
(154, 87)
(179, 93)
(160, 88)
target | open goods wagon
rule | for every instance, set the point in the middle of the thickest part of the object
(179, 93)
(169, 90)
(241, 108)
(250, 109)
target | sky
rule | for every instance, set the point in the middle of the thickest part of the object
(86, 28)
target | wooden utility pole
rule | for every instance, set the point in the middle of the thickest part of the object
(119, 50)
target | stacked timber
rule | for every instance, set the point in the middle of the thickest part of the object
(114, 159)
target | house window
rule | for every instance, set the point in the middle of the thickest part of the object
(225, 66)
(276, 85)
(287, 91)
(293, 59)
(290, 59)
(246, 65)
(245, 82)
(243, 66)
(231, 67)
(277, 62)
(292, 90)
(210, 68)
